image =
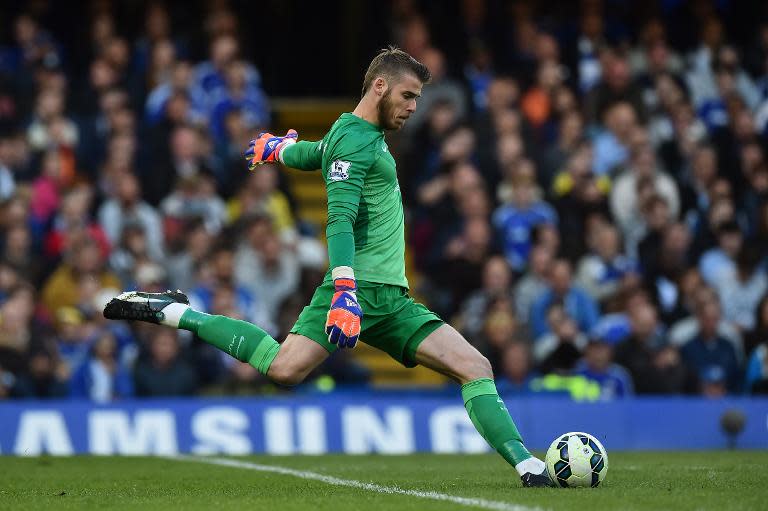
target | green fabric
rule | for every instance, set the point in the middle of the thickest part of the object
(264, 354)
(492, 420)
(418, 336)
(364, 199)
(240, 339)
(303, 155)
(479, 387)
(341, 249)
(392, 321)
(192, 320)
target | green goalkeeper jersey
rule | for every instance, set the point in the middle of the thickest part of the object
(365, 209)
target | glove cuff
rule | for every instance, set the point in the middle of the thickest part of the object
(282, 146)
(344, 278)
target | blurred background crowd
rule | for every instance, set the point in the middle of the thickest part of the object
(586, 187)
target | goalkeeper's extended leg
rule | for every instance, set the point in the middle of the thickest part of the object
(447, 352)
(240, 339)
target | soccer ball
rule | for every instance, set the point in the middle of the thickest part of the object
(577, 460)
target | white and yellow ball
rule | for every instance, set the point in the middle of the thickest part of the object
(577, 459)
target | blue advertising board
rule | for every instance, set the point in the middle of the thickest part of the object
(358, 423)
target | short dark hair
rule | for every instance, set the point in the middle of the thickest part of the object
(391, 63)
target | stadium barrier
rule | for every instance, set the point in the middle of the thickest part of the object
(357, 423)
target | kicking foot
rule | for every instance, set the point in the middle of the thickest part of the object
(531, 480)
(135, 305)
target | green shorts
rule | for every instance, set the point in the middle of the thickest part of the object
(392, 321)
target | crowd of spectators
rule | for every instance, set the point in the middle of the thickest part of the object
(594, 217)
(589, 209)
(132, 177)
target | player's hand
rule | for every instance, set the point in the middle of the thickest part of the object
(343, 323)
(266, 148)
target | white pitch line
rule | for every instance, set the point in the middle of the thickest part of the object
(351, 483)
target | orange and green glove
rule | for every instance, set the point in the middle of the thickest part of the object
(266, 148)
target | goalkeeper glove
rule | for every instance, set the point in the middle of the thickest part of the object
(344, 317)
(266, 148)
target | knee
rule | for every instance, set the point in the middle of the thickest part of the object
(477, 367)
(285, 374)
(484, 368)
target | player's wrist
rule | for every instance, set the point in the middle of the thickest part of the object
(285, 144)
(344, 279)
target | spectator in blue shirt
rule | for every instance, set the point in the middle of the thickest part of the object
(757, 371)
(216, 275)
(718, 264)
(597, 365)
(606, 271)
(34, 45)
(741, 294)
(210, 75)
(163, 371)
(759, 332)
(515, 221)
(179, 85)
(559, 350)
(730, 82)
(611, 146)
(101, 377)
(709, 349)
(238, 94)
(577, 303)
(479, 73)
(656, 368)
(516, 370)
(73, 341)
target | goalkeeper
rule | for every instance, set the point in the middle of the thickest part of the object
(365, 292)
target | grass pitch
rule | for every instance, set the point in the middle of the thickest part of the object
(641, 481)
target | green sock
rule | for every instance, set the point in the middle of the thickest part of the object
(244, 341)
(492, 420)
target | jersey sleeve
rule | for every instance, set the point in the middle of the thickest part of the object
(346, 165)
(303, 155)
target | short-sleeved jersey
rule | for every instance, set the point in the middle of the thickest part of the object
(361, 181)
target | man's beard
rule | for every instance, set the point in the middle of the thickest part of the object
(384, 109)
